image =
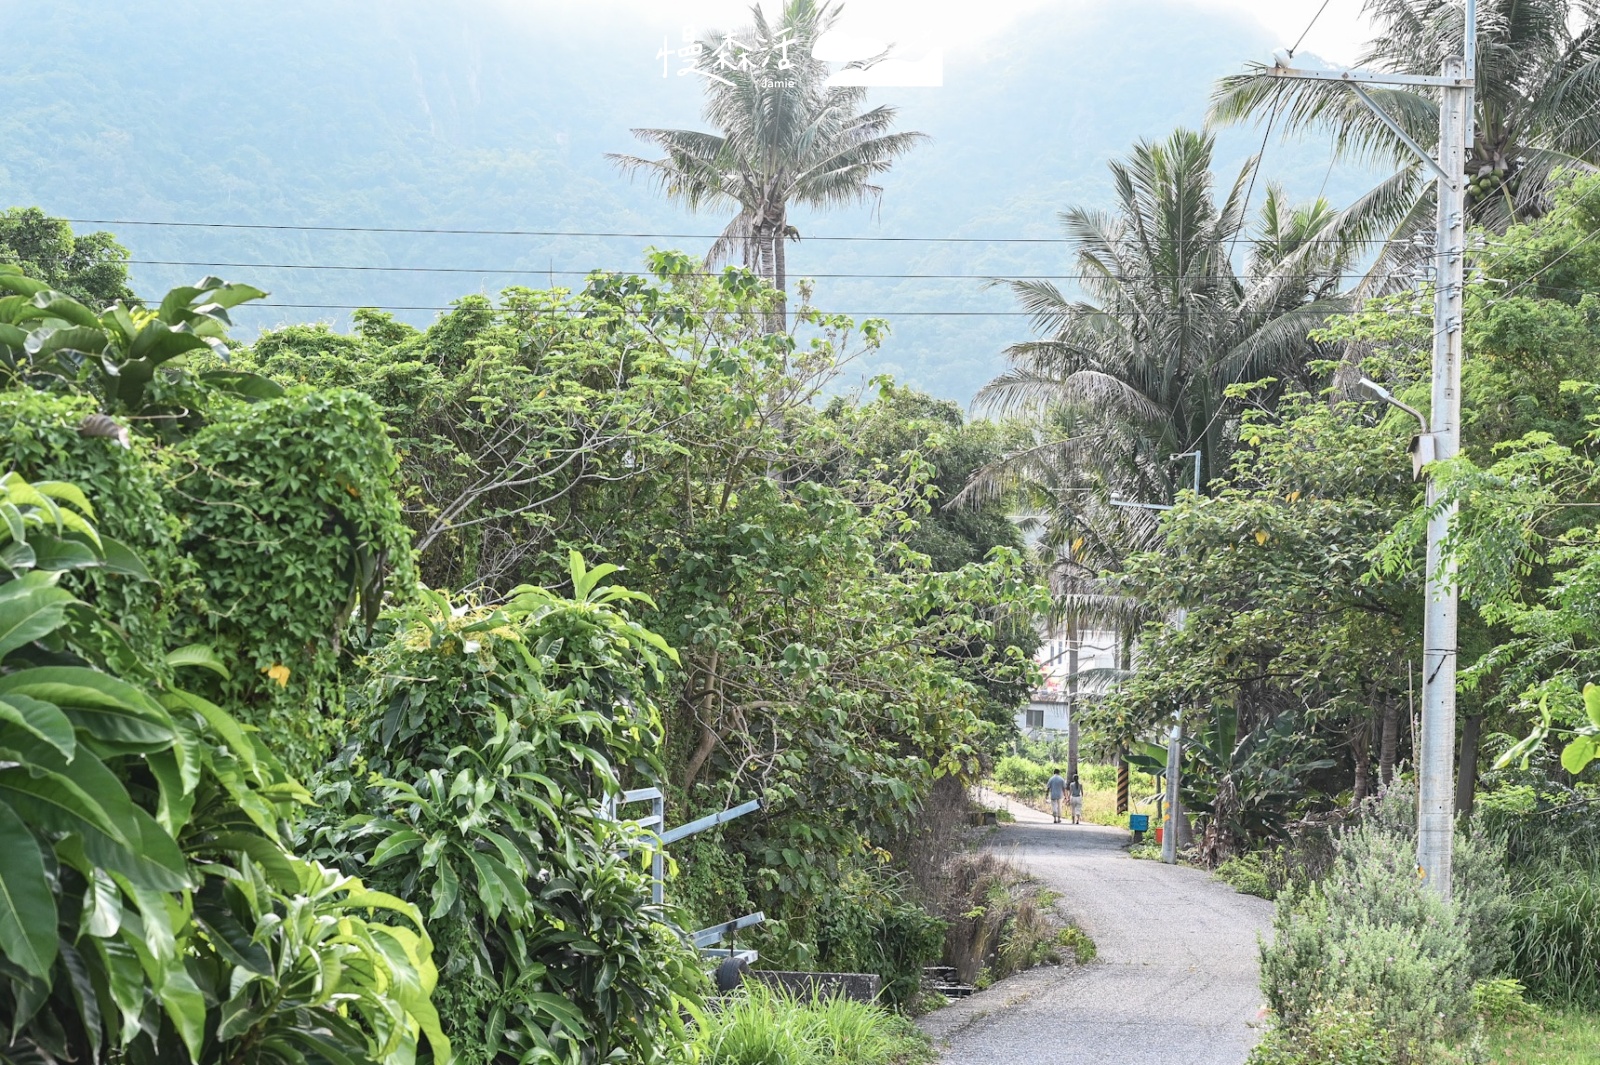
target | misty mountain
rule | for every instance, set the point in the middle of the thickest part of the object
(493, 115)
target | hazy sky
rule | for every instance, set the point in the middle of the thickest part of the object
(954, 24)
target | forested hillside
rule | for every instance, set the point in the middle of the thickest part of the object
(480, 116)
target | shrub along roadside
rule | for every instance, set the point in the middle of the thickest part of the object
(1370, 950)
(1002, 921)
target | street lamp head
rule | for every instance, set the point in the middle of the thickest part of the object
(1377, 390)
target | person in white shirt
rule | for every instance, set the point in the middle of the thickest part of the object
(1055, 787)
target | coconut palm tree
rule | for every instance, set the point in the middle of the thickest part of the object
(1140, 366)
(1143, 360)
(1537, 108)
(785, 137)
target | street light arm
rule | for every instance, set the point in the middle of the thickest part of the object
(1388, 397)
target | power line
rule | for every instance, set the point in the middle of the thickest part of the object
(1301, 39)
(851, 314)
(545, 272)
(413, 230)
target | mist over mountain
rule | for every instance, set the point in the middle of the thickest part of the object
(486, 115)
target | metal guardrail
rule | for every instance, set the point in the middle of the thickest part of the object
(708, 937)
(705, 937)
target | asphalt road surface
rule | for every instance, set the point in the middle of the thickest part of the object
(1175, 982)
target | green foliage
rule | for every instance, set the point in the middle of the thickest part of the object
(1501, 1001)
(291, 522)
(43, 441)
(1077, 941)
(1020, 776)
(263, 519)
(91, 268)
(1371, 934)
(871, 923)
(1553, 934)
(1288, 649)
(758, 1025)
(50, 340)
(491, 740)
(825, 663)
(1341, 1033)
(148, 904)
(1246, 874)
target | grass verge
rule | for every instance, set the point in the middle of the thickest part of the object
(758, 1025)
(1555, 1039)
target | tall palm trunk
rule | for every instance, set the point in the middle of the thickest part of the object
(780, 271)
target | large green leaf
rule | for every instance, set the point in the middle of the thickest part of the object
(30, 607)
(39, 719)
(67, 309)
(59, 553)
(1579, 753)
(12, 279)
(198, 654)
(118, 716)
(84, 798)
(264, 852)
(18, 556)
(247, 385)
(27, 905)
(85, 339)
(120, 558)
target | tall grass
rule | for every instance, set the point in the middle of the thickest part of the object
(1554, 930)
(758, 1025)
(1554, 935)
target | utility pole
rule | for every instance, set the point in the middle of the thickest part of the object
(1441, 438)
(1169, 835)
(1073, 645)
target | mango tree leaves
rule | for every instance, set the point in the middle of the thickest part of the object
(27, 905)
(30, 608)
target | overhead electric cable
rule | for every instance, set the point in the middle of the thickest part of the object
(1301, 39)
(546, 272)
(607, 234)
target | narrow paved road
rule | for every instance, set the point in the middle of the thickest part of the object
(1175, 982)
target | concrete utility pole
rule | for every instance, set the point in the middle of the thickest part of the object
(1441, 438)
(1169, 834)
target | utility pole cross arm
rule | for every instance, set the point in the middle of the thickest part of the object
(1354, 77)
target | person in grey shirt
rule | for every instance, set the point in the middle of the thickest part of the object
(1055, 787)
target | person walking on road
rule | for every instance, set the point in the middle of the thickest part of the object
(1056, 787)
(1075, 794)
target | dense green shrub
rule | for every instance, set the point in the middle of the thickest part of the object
(1371, 934)
(1019, 776)
(152, 911)
(490, 744)
(1249, 874)
(264, 517)
(1553, 934)
(1331, 1034)
(1553, 931)
(870, 923)
(290, 517)
(40, 440)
